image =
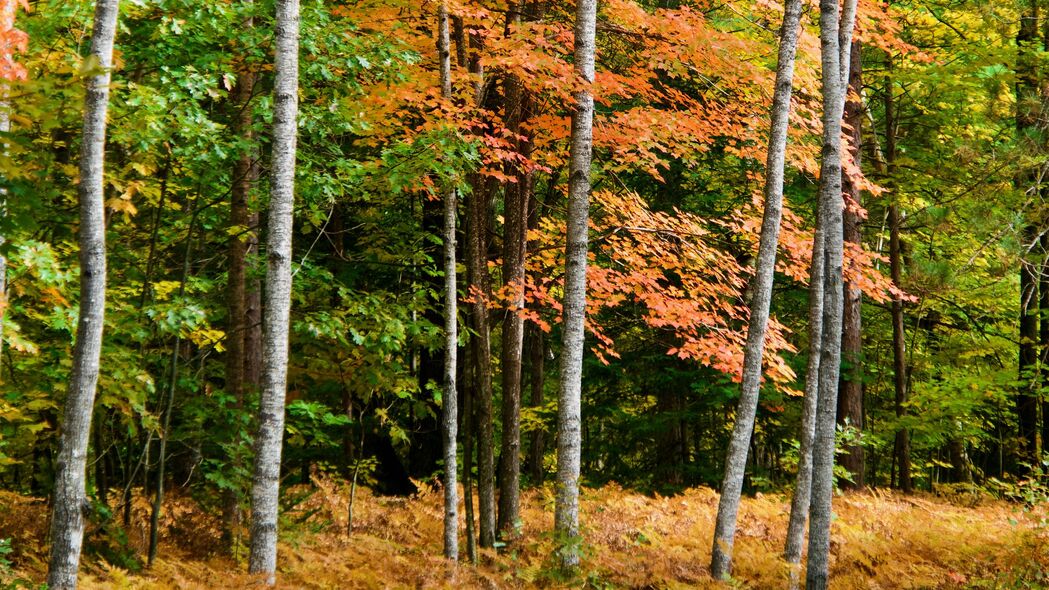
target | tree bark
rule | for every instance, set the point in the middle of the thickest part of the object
(1028, 113)
(239, 297)
(569, 442)
(1027, 398)
(537, 360)
(477, 262)
(70, 504)
(165, 432)
(902, 444)
(450, 405)
(1043, 336)
(266, 481)
(850, 390)
(835, 49)
(754, 353)
(515, 234)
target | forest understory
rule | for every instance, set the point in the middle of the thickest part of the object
(956, 538)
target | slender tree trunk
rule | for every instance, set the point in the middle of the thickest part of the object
(1027, 399)
(515, 234)
(480, 290)
(536, 363)
(836, 44)
(244, 241)
(850, 391)
(5, 127)
(468, 461)
(902, 444)
(165, 434)
(1043, 336)
(569, 442)
(481, 344)
(799, 506)
(266, 483)
(1028, 114)
(754, 353)
(69, 502)
(451, 324)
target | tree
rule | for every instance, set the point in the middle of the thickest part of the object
(449, 398)
(902, 442)
(754, 353)
(835, 44)
(1028, 129)
(569, 433)
(243, 293)
(850, 391)
(515, 240)
(277, 308)
(69, 502)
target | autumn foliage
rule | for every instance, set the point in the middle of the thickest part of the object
(882, 540)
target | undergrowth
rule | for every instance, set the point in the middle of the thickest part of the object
(880, 540)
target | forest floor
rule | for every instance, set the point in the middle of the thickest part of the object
(880, 540)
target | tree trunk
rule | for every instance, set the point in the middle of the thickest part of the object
(515, 234)
(238, 296)
(537, 360)
(569, 443)
(477, 262)
(902, 445)
(450, 405)
(69, 503)
(5, 127)
(754, 353)
(799, 506)
(1028, 113)
(468, 456)
(835, 45)
(1027, 398)
(1043, 336)
(165, 434)
(266, 481)
(850, 391)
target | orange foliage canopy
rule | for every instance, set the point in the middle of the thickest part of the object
(672, 85)
(12, 41)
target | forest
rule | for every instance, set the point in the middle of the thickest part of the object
(524, 294)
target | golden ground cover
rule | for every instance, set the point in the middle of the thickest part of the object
(880, 540)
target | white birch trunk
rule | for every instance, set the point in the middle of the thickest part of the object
(569, 443)
(450, 401)
(70, 502)
(276, 316)
(836, 44)
(736, 461)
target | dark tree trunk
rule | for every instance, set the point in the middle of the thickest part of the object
(850, 392)
(536, 362)
(480, 288)
(1027, 398)
(515, 234)
(902, 445)
(241, 292)
(1028, 112)
(1043, 336)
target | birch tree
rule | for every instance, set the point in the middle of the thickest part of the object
(569, 442)
(69, 503)
(736, 462)
(266, 482)
(835, 46)
(449, 400)
(818, 281)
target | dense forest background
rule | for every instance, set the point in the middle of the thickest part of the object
(945, 346)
